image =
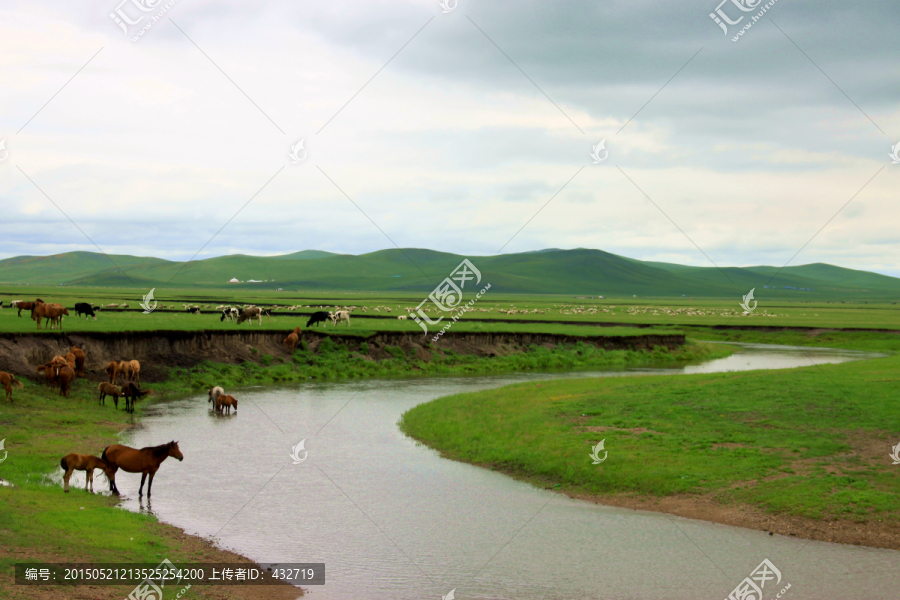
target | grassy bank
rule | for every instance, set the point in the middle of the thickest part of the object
(38, 522)
(334, 360)
(809, 443)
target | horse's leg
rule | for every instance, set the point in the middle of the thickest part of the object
(150, 484)
(89, 479)
(112, 480)
(141, 489)
(66, 478)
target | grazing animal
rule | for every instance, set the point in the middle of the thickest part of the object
(49, 374)
(124, 370)
(79, 360)
(401, 318)
(8, 380)
(341, 315)
(318, 317)
(297, 331)
(215, 392)
(291, 341)
(225, 403)
(248, 314)
(84, 462)
(52, 312)
(83, 308)
(267, 312)
(135, 368)
(108, 389)
(66, 376)
(112, 369)
(70, 360)
(230, 314)
(193, 310)
(24, 306)
(132, 393)
(145, 461)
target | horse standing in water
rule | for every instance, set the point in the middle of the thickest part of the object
(145, 461)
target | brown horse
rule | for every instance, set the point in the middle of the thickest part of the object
(49, 371)
(29, 306)
(52, 312)
(108, 389)
(291, 341)
(225, 403)
(124, 370)
(112, 369)
(135, 368)
(79, 360)
(66, 376)
(132, 392)
(145, 461)
(8, 380)
(86, 463)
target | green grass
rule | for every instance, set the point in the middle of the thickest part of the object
(335, 360)
(38, 521)
(791, 441)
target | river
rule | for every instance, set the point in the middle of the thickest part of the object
(392, 520)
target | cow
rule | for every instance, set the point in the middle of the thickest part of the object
(83, 308)
(194, 310)
(249, 314)
(318, 317)
(341, 315)
(229, 313)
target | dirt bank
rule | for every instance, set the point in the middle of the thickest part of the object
(21, 353)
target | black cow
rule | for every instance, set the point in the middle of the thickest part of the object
(83, 308)
(230, 313)
(194, 310)
(318, 317)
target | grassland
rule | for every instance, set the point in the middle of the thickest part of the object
(40, 523)
(780, 450)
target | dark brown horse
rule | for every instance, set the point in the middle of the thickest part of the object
(131, 391)
(145, 461)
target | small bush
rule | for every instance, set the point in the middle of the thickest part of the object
(266, 359)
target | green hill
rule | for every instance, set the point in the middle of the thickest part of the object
(569, 272)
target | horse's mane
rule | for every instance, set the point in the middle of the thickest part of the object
(158, 451)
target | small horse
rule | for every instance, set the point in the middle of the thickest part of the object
(135, 371)
(225, 403)
(291, 341)
(214, 393)
(145, 461)
(108, 389)
(79, 360)
(86, 463)
(8, 380)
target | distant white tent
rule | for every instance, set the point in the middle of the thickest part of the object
(233, 280)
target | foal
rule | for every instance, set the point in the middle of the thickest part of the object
(224, 404)
(84, 462)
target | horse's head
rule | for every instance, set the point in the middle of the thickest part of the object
(174, 452)
(234, 404)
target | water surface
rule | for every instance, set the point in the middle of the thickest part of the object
(392, 520)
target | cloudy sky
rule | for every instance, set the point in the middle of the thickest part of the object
(453, 130)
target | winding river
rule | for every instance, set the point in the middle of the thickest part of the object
(392, 520)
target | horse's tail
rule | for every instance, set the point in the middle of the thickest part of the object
(15, 381)
(103, 456)
(62, 463)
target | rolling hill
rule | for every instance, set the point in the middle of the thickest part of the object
(580, 271)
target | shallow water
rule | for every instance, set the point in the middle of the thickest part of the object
(392, 520)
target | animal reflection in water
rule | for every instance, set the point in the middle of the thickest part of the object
(145, 461)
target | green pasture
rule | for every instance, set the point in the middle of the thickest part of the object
(553, 309)
(811, 441)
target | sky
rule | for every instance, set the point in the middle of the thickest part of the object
(466, 127)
